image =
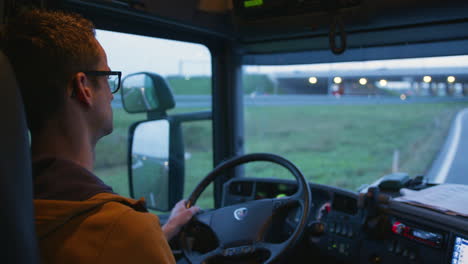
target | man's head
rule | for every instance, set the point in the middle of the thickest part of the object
(50, 51)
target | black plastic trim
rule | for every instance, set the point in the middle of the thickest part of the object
(227, 107)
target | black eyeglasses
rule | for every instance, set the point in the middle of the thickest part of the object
(113, 77)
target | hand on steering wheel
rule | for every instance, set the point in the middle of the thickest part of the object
(240, 228)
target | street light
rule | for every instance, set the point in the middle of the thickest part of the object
(427, 79)
(363, 81)
(451, 79)
(313, 80)
(383, 82)
(337, 80)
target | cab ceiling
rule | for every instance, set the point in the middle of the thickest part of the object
(374, 26)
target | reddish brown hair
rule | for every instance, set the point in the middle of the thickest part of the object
(46, 49)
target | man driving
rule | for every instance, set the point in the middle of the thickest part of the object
(63, 75)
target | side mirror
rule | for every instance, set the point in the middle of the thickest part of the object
(146, 92)
(156, 167)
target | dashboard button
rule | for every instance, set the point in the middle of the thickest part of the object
(246, 249)
(338, 228)
(344, 230)
(316, 229)
(229, 252)
(341, 248)
(375, 259)
(332, 245)
(397, 248)
(391, 246)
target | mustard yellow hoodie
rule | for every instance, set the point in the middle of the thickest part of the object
(107, 228)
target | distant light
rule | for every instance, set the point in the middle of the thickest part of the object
(337, 80)
(166, 163)
(383, 83)
(363, 81)
(427, 79)
(451, 79)
(313, 80)
(403, 97)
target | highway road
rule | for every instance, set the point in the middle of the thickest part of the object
(451, 165)
(204, 101)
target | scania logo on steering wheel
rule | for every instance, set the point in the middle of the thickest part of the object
(240, 213)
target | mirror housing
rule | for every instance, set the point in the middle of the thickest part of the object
(156, 163)
(146, 92)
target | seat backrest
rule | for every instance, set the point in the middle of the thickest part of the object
(18, 242)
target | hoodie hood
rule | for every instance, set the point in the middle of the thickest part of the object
(60, 179)
(80, 220)
(64, 191)
(51, 215)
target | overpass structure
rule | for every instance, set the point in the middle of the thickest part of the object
(444, 81)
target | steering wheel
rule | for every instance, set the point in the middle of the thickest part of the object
(240, 228)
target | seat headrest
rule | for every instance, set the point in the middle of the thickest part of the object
(18, 237)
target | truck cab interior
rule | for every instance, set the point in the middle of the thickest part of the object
(309, 215)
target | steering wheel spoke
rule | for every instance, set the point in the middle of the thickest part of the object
(204, 217)
(275, 249)
(287, 201)
(194, 257)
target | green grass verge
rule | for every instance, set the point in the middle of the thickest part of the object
(196, 85)
(348, 146)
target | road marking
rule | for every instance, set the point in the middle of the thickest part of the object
(447, 164)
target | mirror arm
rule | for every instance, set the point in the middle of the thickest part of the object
(184, 117)
(156, 115)
(194, 116)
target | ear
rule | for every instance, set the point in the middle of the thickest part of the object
(81, 89)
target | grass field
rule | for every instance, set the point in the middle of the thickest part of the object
(348, 146)
(340, 145)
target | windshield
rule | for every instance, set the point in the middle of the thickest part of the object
(349, 124)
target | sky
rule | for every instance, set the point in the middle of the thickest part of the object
(131, 53)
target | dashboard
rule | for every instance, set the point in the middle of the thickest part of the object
(348, 227)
